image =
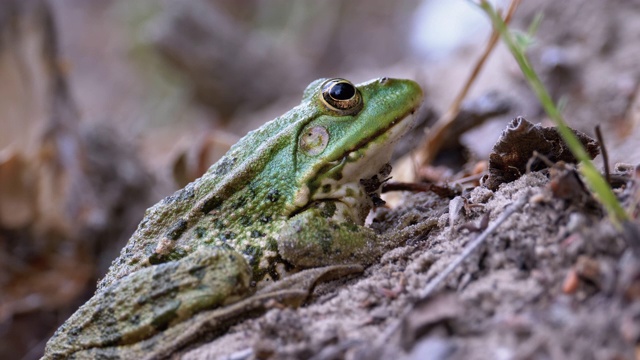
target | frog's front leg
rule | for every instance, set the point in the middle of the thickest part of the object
(325, 234)
(150, 300)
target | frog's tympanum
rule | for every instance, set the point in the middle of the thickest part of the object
(288, 196)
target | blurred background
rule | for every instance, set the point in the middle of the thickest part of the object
(108, 106)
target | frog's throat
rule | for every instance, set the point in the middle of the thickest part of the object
(341, 182)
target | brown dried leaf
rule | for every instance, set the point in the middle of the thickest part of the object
(516, 146)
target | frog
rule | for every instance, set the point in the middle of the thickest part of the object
(287, 203)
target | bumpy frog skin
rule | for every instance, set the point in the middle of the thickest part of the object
(287, 196)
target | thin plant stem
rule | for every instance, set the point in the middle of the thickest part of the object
(593, 177)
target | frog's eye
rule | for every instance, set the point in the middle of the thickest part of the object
(341, 96)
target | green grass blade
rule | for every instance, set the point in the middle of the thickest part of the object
(594, 179)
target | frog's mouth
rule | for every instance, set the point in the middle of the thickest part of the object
(340, 180)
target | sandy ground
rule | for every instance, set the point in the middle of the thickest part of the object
(507, 301)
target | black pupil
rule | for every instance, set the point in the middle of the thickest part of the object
(342, 91)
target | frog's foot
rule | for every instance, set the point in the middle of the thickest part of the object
(318, 237)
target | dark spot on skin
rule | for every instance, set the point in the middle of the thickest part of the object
(328, 209)
(227, 247)
(162, 319)
(273, 195)
(152, 297)
(273, 246)
(326, 242)
(75, 331)
(377, 201)
(106, 318)
(218, 224)
(254, 253)
(385, 170)
(180, 195)
(176, 254)
(271, 269)
(273, 272)
(245, 220)
(239, 204)
(256, 234)
(224, 166)
(135, 319)
(265, 219)
(326, 188)
(337, 175)
(229, 235)
(198, 272)
(370, 185)
(351, 226)
(155, 259)
(211, 204)
(258, 274)
(233, 281)
(149, 249)
(164, 272)
(200, 232)
(177, 230)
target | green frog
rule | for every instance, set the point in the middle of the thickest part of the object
(291, 195)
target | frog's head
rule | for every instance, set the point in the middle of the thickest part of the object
(350, 136)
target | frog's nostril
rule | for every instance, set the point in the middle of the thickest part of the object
(384, 80)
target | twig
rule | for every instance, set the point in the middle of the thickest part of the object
(442, 191)
(470, 178)
(431, 286)
(403, 186)
(436, 137)
(435, 282)
(603, 151)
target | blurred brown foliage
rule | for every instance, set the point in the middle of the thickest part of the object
(67, 189)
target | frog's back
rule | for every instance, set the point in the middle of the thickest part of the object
(218, 195)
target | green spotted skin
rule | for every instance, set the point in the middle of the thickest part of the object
(286, 196)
